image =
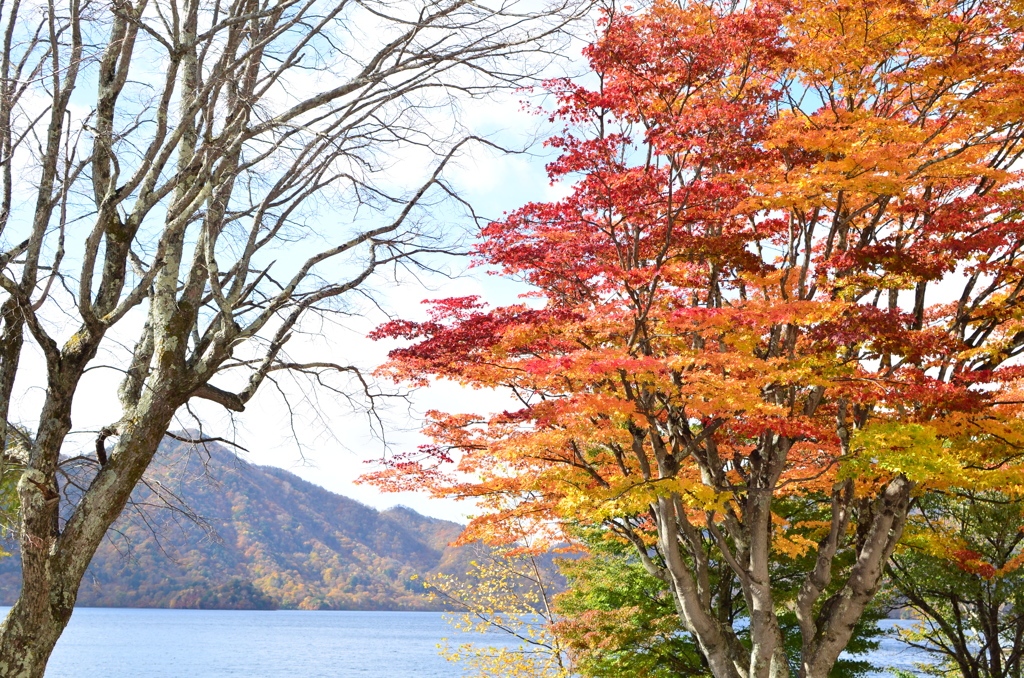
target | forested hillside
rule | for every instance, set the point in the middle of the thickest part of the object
(270, 539)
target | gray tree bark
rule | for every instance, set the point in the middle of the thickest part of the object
(742, 538)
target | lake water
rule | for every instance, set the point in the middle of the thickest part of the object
(893, 654)
(136, 643)
(132, 643)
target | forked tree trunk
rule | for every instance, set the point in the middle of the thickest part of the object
(826, 625)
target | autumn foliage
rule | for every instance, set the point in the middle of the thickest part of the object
(782, 297)
(508, 594)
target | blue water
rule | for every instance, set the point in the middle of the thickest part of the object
(136, 643)
(893, 654)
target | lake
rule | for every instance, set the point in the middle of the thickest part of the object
(130, 643)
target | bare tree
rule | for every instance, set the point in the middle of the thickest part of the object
(172, 160)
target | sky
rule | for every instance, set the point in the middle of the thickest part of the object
(336, 445)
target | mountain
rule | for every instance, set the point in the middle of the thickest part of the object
(208, 530)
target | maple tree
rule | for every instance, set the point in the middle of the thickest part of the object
(782, 297)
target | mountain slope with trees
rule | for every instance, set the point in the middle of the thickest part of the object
(209, 530)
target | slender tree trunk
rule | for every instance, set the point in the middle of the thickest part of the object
(11, 340)
(722, 651)
(841, 612)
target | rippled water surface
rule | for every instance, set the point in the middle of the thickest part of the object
(134, 643)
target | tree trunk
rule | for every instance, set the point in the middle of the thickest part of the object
(53, 564)
(31, 630)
